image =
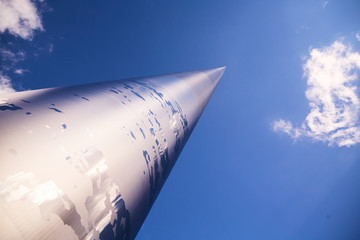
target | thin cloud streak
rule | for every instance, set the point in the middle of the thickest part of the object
(331, 74)
(324, 4)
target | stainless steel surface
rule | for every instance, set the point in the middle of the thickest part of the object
(88, 161)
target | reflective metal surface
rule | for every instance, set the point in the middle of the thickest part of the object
(88, 161)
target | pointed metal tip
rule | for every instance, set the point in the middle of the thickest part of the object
(223, 68)
(202, 84)
(215, 74)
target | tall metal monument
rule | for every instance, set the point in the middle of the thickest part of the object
(88, 161)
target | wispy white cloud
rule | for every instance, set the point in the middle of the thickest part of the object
(287, 127)
(331, 74)
(51, 48)
(5, 84)
(20, 18)
(20, 71)
(10, 58)
(324, 4)
(357, 35)
(9, 61)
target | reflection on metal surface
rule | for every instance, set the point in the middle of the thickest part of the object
(23, 186)
(87, 162)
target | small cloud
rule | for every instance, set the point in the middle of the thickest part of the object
(20, 18)
(332, 95)
(5, 84)
(10, 58)
(20, 71)
(305, 28)
(357, 36)
(51, 48)
(302, 28)
(6, 54)
(324, 3)
(286, 127)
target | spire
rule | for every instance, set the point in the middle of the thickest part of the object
(202, 84)
(95, 155)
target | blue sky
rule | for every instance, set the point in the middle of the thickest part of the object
(275, 154)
